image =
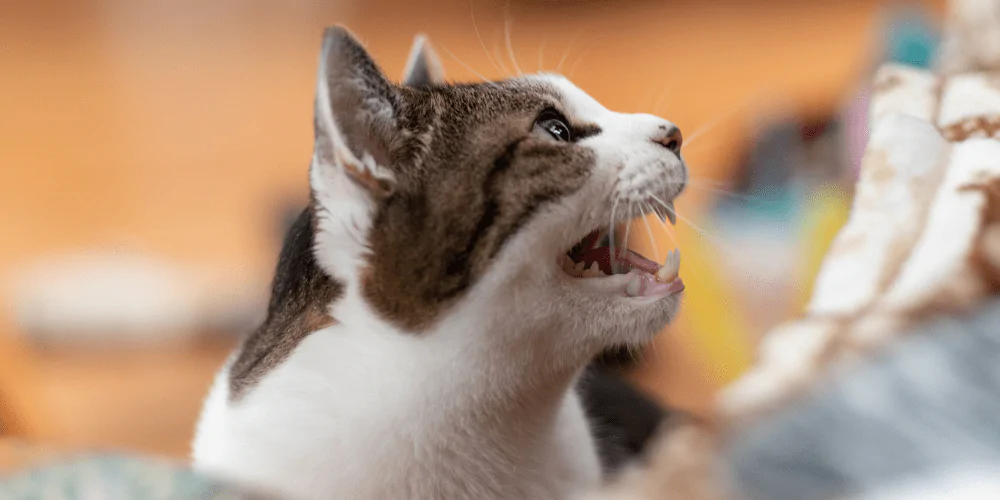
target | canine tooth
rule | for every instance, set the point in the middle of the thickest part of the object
(567, 265)
(671, 267)
(633, 287)
(594, 271)
(671, 213)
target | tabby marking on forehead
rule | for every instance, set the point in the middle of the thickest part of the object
(429, 245)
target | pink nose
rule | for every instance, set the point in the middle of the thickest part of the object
(670, 137)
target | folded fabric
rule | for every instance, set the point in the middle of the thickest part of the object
(922, 237)
(929, 404)
(971, 38)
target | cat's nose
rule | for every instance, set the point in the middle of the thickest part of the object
(669, 136)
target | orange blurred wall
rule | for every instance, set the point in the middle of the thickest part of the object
(174, 127)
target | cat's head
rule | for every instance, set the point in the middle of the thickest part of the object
(488, 199)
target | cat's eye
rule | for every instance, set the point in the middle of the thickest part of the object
(553, 123)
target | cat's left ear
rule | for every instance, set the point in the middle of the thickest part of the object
(423, 69)
(355, 119)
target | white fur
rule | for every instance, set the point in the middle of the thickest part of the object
(481, 405)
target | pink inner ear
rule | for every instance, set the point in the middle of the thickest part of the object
(361, 174)
(354, 114)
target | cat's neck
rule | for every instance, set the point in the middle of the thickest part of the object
(472, 409)
(470, 363)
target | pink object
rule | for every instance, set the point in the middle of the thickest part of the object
(856, 129)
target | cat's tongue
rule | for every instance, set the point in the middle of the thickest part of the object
(627, 260)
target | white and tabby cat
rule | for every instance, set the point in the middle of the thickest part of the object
(435, 305)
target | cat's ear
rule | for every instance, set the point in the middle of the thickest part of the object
(355, 119)
(423, 69)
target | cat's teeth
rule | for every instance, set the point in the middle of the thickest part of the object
(594, 271)
(578, 269)
(633, 287)
(567, 265)
(671, 267)
(671, 212)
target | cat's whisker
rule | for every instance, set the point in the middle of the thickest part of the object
(688, 140)
(541, 55)
(499, 54)
(469, 68)
(701, 144)
(662, 220)
(734, 195)
(705, 180)
(657, 106)
(725, 192)
(569, 49)
(649, 231)
(665, 205)
(611, 232)
(704, 233)
(659, 101)
(659, 212)
(707, 185)
(670, 233)
(508, 24)
(681, 217)
(475, 26)
(579, 59)
(628, 227)
(666, 229)
(648, 96)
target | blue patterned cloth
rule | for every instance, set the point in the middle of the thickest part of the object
(114, 478)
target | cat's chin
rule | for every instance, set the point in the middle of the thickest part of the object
(635, 287)
(636, 322)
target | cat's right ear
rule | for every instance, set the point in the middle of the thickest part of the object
(423, 69)
(355, 121)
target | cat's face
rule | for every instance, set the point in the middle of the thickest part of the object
(432, 197)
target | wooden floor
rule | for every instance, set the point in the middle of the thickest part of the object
(175, 128)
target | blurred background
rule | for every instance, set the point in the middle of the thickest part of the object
(152, 152)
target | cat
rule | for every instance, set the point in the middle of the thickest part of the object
(435, 306)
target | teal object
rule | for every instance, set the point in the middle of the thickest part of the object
(911, 40)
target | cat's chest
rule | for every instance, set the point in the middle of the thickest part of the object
(341, 414)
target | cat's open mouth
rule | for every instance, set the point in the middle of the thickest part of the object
(591, 262)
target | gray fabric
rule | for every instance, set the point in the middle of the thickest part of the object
(929, 403)
(108, 477)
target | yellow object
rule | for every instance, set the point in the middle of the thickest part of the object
(826, 211)
(711, 320)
